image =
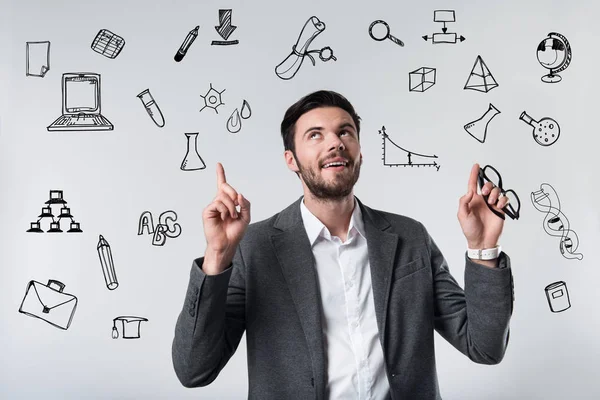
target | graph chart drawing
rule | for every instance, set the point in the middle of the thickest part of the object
(397, 156)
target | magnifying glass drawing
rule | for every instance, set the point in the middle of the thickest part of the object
(382, 32)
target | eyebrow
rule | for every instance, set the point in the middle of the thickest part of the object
(320, 128)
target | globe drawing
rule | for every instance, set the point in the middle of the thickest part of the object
(554, 53)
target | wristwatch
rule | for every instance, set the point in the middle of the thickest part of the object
(484, 254)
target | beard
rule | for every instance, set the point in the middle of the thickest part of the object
(338, 187)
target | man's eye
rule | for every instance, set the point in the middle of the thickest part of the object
(313, 134)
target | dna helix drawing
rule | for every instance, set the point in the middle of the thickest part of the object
(555, 222)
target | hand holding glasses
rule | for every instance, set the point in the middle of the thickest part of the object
(490, 174)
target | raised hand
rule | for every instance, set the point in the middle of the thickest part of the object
(225, 222)
(480, 225)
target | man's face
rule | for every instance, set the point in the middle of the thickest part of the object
(325, 135)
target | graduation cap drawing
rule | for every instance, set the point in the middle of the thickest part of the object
(130, 327)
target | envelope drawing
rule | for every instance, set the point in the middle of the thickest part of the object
(49, 303)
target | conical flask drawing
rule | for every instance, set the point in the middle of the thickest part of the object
(478, 128)
(192, 160)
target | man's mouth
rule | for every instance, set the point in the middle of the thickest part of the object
(335, 165)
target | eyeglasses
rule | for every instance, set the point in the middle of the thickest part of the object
(490, 174)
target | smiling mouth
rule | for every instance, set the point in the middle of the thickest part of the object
(336, 166)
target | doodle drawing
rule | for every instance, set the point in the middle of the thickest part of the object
(379, 34)
(163, 230)
(422, 159)
(478, 128)
(56, 199)
(480, 78)
(49, 303)
(37, 58)
(555, 222)
(81, 107)
(108, 44)
(558, 296)
(554, 53)
(225, 29)
(545, 131)
(152, 108)
(107, 263)
(189, 39)
(421, 79)
(130, 327)
(192, 160)
(290, 65)
(234, 122)
(444, 16)
(212, 99)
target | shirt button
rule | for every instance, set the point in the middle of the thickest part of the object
(355, 324)
(350, 284)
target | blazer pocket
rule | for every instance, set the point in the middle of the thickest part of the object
(402, 271)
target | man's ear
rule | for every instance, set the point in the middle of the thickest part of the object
(290, 160)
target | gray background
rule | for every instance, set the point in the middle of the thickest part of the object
(110, 178)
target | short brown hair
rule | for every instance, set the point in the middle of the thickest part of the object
(321, 98)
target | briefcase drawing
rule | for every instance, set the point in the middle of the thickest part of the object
(49, 303)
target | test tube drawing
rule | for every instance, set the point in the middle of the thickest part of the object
(106, 261)
(152, 108)
(189, 39)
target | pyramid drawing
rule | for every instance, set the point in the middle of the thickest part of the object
(480, 78)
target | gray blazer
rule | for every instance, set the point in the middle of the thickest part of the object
(271, 292)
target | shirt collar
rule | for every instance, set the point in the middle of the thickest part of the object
(315, 228)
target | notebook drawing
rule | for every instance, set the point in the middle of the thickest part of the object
(81, 104)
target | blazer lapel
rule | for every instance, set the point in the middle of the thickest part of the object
(382, 247)
(295, 257)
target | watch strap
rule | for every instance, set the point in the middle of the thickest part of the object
(484, 254)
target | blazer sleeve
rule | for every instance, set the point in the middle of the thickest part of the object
(474, 320)
(211, 324)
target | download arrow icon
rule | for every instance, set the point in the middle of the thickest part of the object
(225, 29)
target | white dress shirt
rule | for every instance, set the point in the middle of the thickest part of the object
(354, 356)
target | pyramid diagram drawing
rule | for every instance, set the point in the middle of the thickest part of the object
(56, 199)
(480, 78)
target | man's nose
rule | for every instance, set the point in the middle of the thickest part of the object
(336, 144)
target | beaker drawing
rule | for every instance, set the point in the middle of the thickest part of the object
(478, 128)
(192, 160)
(545, 131)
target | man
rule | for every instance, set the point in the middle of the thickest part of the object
(338, 300)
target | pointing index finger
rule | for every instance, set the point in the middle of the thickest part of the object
(473, 178)
(220, 175)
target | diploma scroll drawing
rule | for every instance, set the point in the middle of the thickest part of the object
(288, 68)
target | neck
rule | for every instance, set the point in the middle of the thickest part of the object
(334, 214)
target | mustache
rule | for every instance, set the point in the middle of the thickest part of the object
(334, 155)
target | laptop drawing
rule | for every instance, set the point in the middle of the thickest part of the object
(81, 104)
